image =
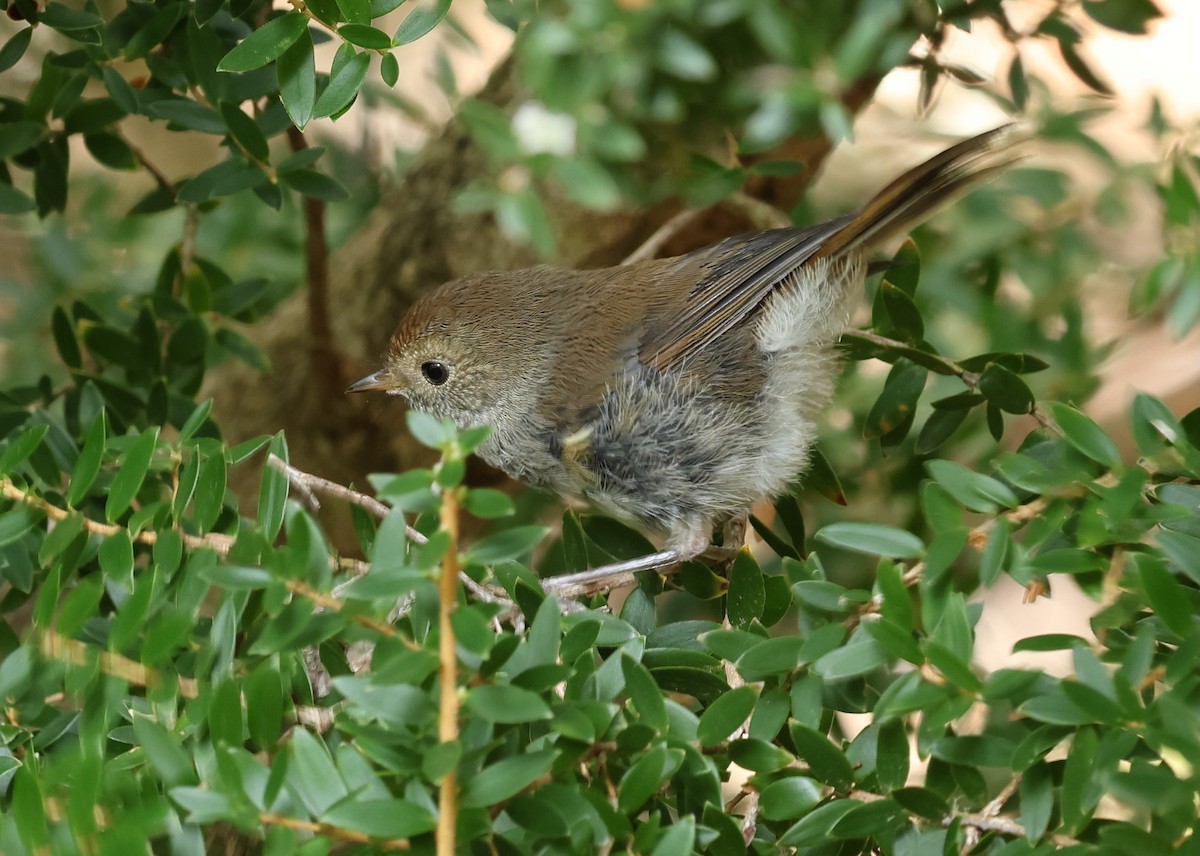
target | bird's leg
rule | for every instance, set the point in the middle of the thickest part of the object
(683, 545)
(610, 576)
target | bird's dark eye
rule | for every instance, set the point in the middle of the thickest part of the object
(436, 372)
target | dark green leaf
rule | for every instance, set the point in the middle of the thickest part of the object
(265, 44)
(827, 762)
(343, 85)
(128, 480)
(506, 778)
(315, 184)
(1004, 389)
(419, 22)
(747, 592)
(87, 465)
(13, 201)
(1126, 16)
(365, 36)
(246, 131)
(297, 74)
(506, 545)
(896, 404)
(725, 715)
(273, 494)
(14, 48)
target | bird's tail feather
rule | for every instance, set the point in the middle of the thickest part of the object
(915, 195)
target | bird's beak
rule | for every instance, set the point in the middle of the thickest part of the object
(381, 380)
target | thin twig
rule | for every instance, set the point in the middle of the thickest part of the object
(58, 647)
(160, 177)
(309, 484)
(215, 541)
(971, 379)
(448, 668)
(664, 233)
(339, 833)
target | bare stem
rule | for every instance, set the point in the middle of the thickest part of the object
(336, 832)
(215, 541)
(448, 667)
(308, 484)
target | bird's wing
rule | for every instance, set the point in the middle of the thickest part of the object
(732, 279)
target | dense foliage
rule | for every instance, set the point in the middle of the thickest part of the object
(179, 675)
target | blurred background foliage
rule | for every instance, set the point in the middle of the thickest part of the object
(215, 213)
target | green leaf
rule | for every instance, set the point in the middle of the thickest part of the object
(892, 754)
(1005, 389)
(264, 705)
(246, 132)
(13, 201)
(644, 777)
(974, 490)
(163, 751)
(419, 22)
(128, 480)
(188, 114)
(506, 704)
(726, 715)
(747, 590)
(873, 539)
(209, 495)
(813, 829)
(429, 430)
(14, 48)
(316, 184)
(938, 428)
(827, 762)
(679, 838)
(116, 556)
(19, 137)
(68, 20)
(265, 44)
(273, 494)
(365, 36)
(21, 448)
(225, 179)
(861, 655)
(1126, 16)
(343, 85)
(389, 69)
(381, 818)
(645, 694)
(505, 545)
(506, 778)
(79, 605)
(780, 654)
(488, 503)
(296, 71)
(313, 774)
(1085, 435)
(110, 150)
(896, 404)
(1165, 595)
(87, 465)
(790, 798)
